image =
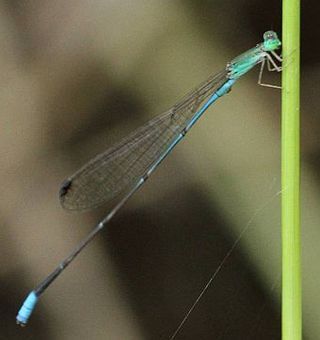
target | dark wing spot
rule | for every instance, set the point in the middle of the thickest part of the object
(65, 187)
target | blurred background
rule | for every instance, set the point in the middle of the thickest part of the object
(77, 76)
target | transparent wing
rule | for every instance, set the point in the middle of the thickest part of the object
(118, 168)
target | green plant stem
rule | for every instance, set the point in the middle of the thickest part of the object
(290, 172)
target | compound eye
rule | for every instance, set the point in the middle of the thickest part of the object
(270, 35)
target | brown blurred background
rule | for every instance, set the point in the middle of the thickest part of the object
(76, 76)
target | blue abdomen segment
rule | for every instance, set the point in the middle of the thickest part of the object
(225, 88)
(222, 90)
(27, 308)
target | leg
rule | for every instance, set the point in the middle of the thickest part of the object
(272, 62)
(279, 58)
(270, 67)
(261, 71)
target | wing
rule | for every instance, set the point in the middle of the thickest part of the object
(118, 168)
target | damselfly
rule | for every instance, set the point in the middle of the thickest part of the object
(122, 169)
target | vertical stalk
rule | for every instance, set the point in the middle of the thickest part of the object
(290, 172)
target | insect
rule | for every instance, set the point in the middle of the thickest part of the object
(124, 168)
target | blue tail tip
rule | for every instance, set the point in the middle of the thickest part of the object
(26, 309)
